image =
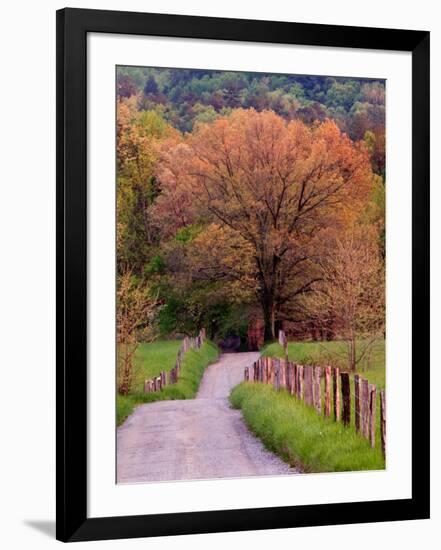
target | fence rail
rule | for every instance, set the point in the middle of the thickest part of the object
(305, 383)
(159, 382)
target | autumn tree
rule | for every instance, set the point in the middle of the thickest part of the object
(126, 86)
(277, 185)
(139, 135)
(220, 254)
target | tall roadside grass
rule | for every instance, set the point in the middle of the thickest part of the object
(299, 435)
(194, 364)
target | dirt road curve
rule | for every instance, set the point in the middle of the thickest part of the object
(200, 438)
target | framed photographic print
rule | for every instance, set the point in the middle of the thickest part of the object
(242, 274)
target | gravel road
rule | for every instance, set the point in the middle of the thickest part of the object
(200, 438)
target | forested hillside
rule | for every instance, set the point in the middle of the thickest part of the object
(186, 96)
(244, 196)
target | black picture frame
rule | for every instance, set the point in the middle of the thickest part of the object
(71, 429)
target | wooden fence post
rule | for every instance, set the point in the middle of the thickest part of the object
(300, 379)
(277, 374)
(346, 394)
(282, 368)
(178, 363)
(309, 396)
(284, 343)
(327, 410)
(288, 376)
(146, 386)
(282, 338)
(336, 391)
(372, 413)
(357, 396)
(365, 408)
(294, 386)
(291, 378)
(271, 371)
(317, 389)
(246, 376)
(383, 420)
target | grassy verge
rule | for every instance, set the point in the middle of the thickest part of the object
(299, 435)
(194, 364)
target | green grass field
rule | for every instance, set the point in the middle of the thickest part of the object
(152, 359)
(372, 367)
(299, 435)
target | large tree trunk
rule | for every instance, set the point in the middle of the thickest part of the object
(267, 303)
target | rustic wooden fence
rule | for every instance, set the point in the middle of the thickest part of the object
(164, 378)
(326, 388)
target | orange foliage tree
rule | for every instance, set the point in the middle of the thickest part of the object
(278, 186)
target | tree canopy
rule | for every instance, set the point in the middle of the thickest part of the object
(232, 189)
